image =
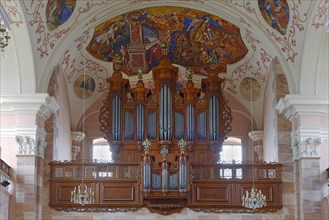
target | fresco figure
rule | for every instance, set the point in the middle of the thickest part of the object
(58, 12)
(192, 36)
(276, 14)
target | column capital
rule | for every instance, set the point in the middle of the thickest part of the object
(256, 135)
(305, 148)
(32, 144)
(293, 105)
(77, 137)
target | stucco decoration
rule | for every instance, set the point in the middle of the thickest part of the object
(307, 148)
(84, 86)
(194, 38)
(250, 88)
(275, 13)
(58, 12)
(27, 145)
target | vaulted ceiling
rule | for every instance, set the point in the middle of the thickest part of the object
(242, 37)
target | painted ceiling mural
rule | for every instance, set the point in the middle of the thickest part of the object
(58, 12)
(275, 13)
(194, 38)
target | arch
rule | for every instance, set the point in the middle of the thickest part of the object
(218, 8)
(313, 77)
(21, 51)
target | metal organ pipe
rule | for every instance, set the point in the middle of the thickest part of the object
(161, 113)
(169, 115)
(213, 118)
(165, 113)
(116, 118)
(190, 122)
(140, 122)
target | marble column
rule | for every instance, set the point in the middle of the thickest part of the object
(31, 112)
(308, 115)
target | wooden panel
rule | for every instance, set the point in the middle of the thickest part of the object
(213, 193)
(271, 190)
(117, 193)
(64, 193)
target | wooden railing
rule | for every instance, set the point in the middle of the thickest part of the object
(235, 171)
(94, 171)
(116, 185)
(219, 187)
(210, 187)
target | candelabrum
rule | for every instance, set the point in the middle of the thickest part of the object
(254, 200)
(4, 36)
(82, 195)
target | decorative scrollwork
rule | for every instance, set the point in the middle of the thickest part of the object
(94, 209)
(165, 205)
(227, 116)
(104, 117)
(221, 210)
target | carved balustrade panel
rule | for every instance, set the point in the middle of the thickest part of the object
(116, 185)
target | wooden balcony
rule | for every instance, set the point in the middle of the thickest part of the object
(4, 175)
(219, 187)
(210, 187)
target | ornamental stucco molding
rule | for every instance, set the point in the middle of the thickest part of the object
(295, 105)
(77, 137)
(259, 150)
(75, 150)
(29, 145)
(50, 106)
(39, 103)
(256, 135)
(307, 148)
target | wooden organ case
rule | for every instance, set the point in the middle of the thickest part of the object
(165, 143)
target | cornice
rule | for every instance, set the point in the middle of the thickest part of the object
(40, 103)
(256, 135)
(295, 105)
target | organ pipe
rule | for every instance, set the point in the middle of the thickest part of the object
(213, 118)
(116, 119)
(140, 122)
(165, 113)
(190, 122)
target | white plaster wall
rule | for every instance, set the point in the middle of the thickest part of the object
(62, 129)
(322, 71)
(9, 72)
(270, 140)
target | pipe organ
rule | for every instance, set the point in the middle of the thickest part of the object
(165, 115)
(165, 143)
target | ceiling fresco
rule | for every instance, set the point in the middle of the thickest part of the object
(58, 12)
(194, 38)
(275, 13)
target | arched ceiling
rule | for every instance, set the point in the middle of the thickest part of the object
(243, 35)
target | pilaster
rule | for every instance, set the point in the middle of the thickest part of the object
(23, 119)
(307, 114)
